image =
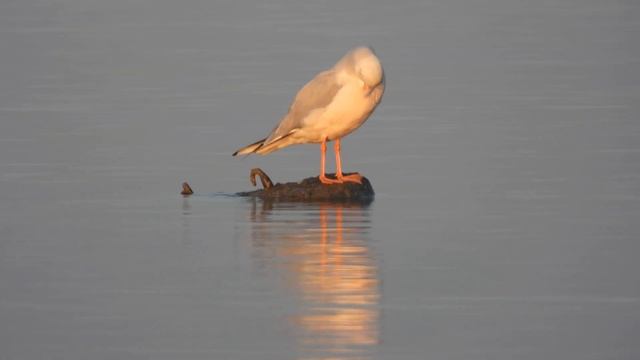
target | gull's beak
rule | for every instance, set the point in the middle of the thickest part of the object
(366, 88)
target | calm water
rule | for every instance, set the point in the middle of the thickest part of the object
(505, 157)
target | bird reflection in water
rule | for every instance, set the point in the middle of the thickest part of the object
(323, 254)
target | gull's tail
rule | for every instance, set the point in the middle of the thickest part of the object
(262, 147)
(251, 148)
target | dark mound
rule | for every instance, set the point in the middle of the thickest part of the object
(312, 190)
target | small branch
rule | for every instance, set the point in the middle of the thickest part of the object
(264, 179)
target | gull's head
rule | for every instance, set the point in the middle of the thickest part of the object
(364, 63)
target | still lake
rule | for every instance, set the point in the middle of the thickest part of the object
(505, 157)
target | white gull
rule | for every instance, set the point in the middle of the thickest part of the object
(330, 106)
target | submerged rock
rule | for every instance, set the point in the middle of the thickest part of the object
(310, 189)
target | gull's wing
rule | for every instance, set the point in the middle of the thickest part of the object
(316, 94)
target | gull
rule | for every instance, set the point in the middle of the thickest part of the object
(329, 107)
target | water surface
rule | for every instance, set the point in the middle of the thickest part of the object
(505, 158)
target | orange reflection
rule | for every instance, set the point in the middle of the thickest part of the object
(328, 264)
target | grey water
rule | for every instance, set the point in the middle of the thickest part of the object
(505, 157)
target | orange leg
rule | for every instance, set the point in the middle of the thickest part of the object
(323, 153)
(356, 178)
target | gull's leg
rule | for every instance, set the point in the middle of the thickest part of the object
(356, 178)
(323, 178)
